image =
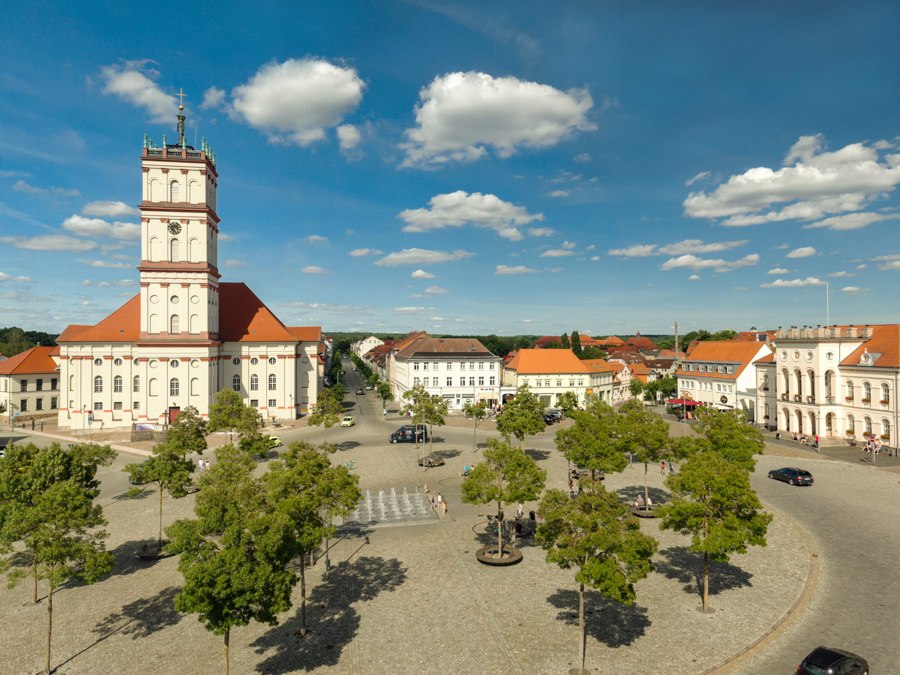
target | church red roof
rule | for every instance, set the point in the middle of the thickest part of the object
(34, 361)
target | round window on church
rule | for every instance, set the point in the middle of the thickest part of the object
(236, 361)
(272, 361)
(154, 299)
(195, 299)
(195, 363)
(153, 363)
(98, 362)
(174, 299)
(117, 362)
(173, 363)
(254, 361)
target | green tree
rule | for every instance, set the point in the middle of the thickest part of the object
(591, 443)
(169, 469)
(644, 434)
(475, 412)
(235, 554)
(596, 535)
(591, 352)
(26, 473)
(327, 413)
(567, 402)
(310, 492)
(712, 501)
(522, 416)
(384, 393)
(576, 343)
(636, 388)
(506, 475)
(435, 413)
(564, 341)
(187, 433)
(418, 404)
(60, 533)
(727, 433)
(229, 413)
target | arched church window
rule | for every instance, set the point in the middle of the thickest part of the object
(136, 384)
(175, 191)
(273, 383)
(236, 382)
(173, 387)
(254, 383)
(174, 251)
(174, 324)
(117, 384)
(98, 385)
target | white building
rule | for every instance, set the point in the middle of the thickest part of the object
(460, 370)
(186, 335)
(717, 374)
(29, 384)
(548, 373)
(364, 346)
(837, 382)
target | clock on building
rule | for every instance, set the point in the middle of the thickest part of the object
(175, 228)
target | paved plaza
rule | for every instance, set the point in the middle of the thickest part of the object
(406, 595)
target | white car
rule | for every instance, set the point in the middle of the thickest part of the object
(348, 421)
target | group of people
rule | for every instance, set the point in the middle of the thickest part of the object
(437, 502)
(803, 439)
(873, 445)
(640, 503)
(202, 464)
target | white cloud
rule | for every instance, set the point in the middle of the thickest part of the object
(109, 209)
(118, 283)
(699, 176)
(841, 274)
(461, 115)
(435, 290)
(717, 264)
(409, 310)
(212, 98)
(96, 227)
(559, 193)
(634, 251)
(235, 263)
(568, 244)
(420, 256)
(422, 274)
(694, 277)
(517, 269)
(133, 81)
(296, 101)
(541, 231)
(793, 283)
(315, 239)
(852, 221)
(812, 184)
(106, 264)
(851, 289)
(348, 136)
(22, 186)
(583, 158)
(557, 253)
(314, 269)
(459, 208)
(802, 252)
(50, 242)
(779, 270)
(880, 258)
(358, 252)
(887, 266)
(437, 318)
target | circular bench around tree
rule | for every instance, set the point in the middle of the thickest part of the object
(487, 555)
(644, 511)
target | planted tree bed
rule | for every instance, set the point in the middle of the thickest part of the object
(487, 555)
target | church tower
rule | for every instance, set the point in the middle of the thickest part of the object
(179, 243)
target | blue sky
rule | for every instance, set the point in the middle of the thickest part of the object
(468, 167)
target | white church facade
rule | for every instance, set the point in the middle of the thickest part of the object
(186, 335)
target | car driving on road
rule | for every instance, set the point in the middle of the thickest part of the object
(829, 660)
(409, 434)
(348, 421)
(359, 391)
(792, 475)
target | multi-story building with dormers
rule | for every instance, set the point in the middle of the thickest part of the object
(549, 373)
(186, 335)
(837, 382)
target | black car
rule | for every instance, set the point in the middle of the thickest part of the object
(792, 475)
(831, 661)
(409, 433)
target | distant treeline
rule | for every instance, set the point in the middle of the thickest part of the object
(15, 340)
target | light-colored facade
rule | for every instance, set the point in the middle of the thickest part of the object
(29, 385)
(549, 373)
(364, 346)
(719, 374)
(838, 382)
(460, 370)
(186, 335)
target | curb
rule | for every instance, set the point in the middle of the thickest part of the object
(794, 613)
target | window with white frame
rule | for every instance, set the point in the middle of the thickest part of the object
(273, 383)
(434, 382)
(425, 365)
(449, 381)
(481, 365)
(471, 365)
(236, 382)
(481, 381)
(867, 391)
(434, 365)
(136, 384)
(885, 393)
(417, 381)
(449, 365)
(471, 381)
(135, 405)
(98, 385)
(867, 424)
(117, 384)
(849, 390)
(886, 427)
(254, 383)
(273, 403)
(173, 387)
(492, 381)
(415, 365)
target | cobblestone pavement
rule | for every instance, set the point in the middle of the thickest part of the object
(412, 598)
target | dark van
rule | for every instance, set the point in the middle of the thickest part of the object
(409, 433)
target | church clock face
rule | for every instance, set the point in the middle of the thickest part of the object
(175, 228)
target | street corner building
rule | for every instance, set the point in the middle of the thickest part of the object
(186, 335)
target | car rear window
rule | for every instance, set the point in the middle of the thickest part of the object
(820, 661)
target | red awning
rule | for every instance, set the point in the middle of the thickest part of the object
(683, 402)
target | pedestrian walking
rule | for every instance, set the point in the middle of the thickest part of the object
(440, 500)
(662, 467)
(520, 511)
(816, 443)
(425, 488)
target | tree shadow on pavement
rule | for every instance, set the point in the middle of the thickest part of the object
(682, 564)
(607, 621)
(537, 455)
(331, 619)
(136, 555)
(144, 617)
(631, 492)
(447, 454)
(347, 445)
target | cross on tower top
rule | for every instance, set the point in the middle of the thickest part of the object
(181, 96)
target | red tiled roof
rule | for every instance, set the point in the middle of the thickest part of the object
(424, 345)
(598, 365)
(768, 358)
(741, 354)
(883, 347)
(641, 342)
(306, 333)
(540, 361)
(34, 361)
(611, 341)
(243, 318)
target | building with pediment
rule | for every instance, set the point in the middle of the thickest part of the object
(187, 334)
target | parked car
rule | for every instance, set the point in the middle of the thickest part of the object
(557, 413)
(369, 387)
(359, 391)
(274, 441)
(409, 434)
(348, 421)
(792, 475)
(828, 660)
